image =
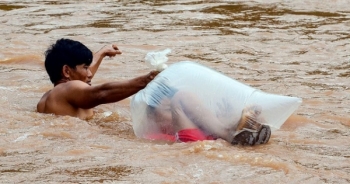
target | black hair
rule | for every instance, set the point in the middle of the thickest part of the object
(65, 52)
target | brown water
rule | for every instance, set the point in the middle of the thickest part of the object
(290, 47)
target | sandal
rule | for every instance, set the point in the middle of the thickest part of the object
(249, 131)
(251, 137)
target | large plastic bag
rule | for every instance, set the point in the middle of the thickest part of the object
(223, 96)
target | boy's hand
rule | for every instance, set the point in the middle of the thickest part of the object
(110, 50)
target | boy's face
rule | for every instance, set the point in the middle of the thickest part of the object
(81, 72)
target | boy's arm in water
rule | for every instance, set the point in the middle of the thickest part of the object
(82, 95)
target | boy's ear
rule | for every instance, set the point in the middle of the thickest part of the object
(66, 71)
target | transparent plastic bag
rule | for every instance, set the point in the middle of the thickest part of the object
(236, 105)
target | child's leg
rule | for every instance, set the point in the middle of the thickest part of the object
(188, 112)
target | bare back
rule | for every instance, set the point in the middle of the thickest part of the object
(56, 101)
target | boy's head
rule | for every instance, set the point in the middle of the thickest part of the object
(65, 52)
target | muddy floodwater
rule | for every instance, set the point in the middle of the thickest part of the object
(290, 47)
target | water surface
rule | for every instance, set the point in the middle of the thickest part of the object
(296, 48)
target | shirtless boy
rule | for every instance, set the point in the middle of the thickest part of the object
(71, 67)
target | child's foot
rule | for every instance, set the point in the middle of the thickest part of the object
(249, 118)
(249, 131)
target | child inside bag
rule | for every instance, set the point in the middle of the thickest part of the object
(181, 117)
